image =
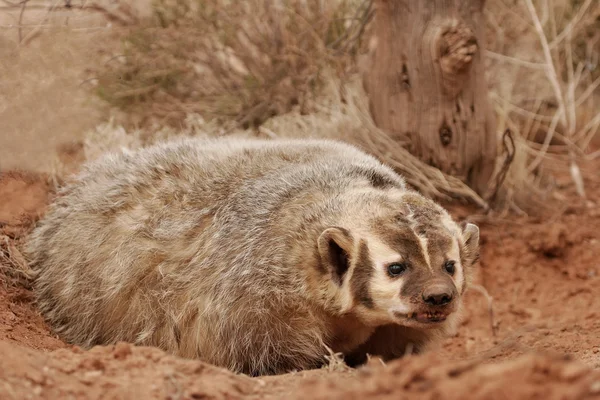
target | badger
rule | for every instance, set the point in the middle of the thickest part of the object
(260, 256)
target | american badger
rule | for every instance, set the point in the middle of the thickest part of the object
(256, 255)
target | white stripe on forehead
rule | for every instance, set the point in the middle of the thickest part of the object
(380, 253)
(422, 240)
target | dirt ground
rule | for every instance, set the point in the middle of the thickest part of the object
(543, 276)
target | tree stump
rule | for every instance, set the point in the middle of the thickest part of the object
(425, 81)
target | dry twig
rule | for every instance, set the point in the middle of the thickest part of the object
(490, 301)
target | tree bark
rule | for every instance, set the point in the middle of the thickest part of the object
(425, 80)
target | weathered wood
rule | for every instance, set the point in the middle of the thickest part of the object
(425, 80)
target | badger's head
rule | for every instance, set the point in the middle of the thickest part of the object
(403, 261)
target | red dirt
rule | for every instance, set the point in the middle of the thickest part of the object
(543, 277)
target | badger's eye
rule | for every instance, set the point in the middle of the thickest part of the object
(450, 267)
(396, 269)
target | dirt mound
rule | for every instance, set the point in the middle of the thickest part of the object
(24, 197)
(117, 372)
(542, 275)
(124, 371)
(429, 377)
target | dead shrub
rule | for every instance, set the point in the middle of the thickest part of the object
(14, 269)
(545, 75)
(246, 60)
(288, 67)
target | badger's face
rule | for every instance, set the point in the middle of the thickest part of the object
(417, 277)
(410, 268)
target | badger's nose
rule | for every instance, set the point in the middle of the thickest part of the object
(438, 294)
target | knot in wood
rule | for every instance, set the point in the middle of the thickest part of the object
(404, 79)
(458, 45)
(445, 135)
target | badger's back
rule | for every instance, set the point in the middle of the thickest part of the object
(184, 246)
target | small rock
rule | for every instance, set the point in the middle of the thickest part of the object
(122, 350)
(76, 349)
(573, 371)
(93, 364)
(90, 377)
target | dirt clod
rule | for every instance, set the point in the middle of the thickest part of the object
(122, 350)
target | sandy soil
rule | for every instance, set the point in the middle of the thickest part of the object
(542, 274)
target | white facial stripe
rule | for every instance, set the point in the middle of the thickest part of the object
(386, 295)
(458, 273)
(384, 290)
(381, 254)
(423, 243)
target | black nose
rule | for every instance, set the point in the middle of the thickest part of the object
(437, 295)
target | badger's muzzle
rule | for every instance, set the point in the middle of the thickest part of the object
(432, 303)
(439, 293)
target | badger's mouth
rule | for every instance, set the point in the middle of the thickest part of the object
(424, 317)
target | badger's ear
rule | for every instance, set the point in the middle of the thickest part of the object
(335, 247)
(470, 248)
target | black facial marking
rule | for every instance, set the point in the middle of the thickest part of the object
(363, 270)
(414, 283)
(439, 245)
(403, 240)
(380, 181)
(377, 179)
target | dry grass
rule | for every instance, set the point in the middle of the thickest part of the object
(335, 362)
(285, 68)
(246, 61)
(341, 113)
(23, 197)
(14, 269)
(544, 57)
(288, 69)
(276, 69)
